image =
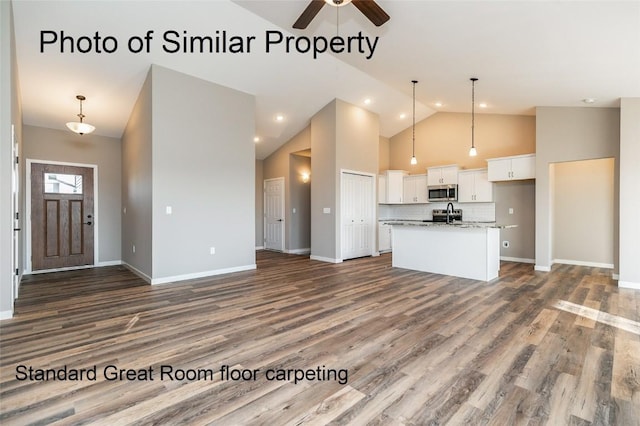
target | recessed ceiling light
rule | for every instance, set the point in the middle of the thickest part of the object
(482, 105)
(403, 116)
(256, 139)
(279, 117)
(438, 104)
(588, 100)
(367, 101)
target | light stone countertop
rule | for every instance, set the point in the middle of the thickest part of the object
(458, 224)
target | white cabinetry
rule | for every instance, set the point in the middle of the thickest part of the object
(474, 187)
(384, 237)
(512, 168)
(394, 186)
(444, 175)
(382, 189)
(415, 189)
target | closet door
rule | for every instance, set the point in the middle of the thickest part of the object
(358, 215)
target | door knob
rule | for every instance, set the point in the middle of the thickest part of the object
(279, 220)
(16, 229)
(87, 223)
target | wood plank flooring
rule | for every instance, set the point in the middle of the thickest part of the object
(378, 345)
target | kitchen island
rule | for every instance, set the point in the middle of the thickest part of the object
(463, 249)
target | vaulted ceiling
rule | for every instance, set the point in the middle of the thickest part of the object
(525, 54)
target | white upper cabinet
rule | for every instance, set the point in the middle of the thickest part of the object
(415, 189)
(444, 175)
(382, 189)
(474, 187)
(394, 186)
(512, 168)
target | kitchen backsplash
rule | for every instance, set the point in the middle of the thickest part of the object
(473, 212)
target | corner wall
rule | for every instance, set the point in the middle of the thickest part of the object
(570, 134)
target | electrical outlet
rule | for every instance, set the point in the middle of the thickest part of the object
(168, 210)
(326, 210)
(505, 244)
(212, 250)
(510, 210)
(133, 248)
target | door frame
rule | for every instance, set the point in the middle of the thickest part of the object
(15, 216)
(374, 209)
(264, 207)
(27, 222)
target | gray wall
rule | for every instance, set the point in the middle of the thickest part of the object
(259, 204)
(204, 168)
(10, 113)
(629, 192)
(137, 184)
(65, 146)
(323, 183)
(521, 197)
(570, 134)
(300, 199)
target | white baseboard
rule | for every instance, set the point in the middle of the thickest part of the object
(138, 272)
(517, 259)
(542, 268)
(629, 284)
(299, 251)
(109, 263)
(259, 247)
(175, 278)
(325, 259)
(6, 315)
(583, 263)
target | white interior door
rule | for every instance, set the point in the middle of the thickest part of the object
(358, 215)
(274, 214)
(15, 203)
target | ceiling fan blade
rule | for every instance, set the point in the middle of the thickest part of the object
(371, 10)
(309, 13)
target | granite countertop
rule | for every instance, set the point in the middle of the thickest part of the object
(457, 224)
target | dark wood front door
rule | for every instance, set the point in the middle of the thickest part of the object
(62, 216)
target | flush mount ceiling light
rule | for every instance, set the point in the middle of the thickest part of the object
(472, 151)
(80, 127)
(588, 100)
(414, 160)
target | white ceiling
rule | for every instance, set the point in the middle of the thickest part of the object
(525, 54)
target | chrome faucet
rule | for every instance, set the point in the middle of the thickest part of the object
(449, 218)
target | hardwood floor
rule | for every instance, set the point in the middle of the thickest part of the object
(379, 345)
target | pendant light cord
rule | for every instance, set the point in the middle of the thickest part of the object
(473, 110)
(413, 137)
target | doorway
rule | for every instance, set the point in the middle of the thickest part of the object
(358, 214)
(274, 214)
(62, 203)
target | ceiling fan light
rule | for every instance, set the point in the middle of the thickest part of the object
(80, 127)
(337, 3)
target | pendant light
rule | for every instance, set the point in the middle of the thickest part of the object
(414, 160)
(80, 127)
(472, 151)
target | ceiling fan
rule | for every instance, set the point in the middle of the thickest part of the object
(369, 8)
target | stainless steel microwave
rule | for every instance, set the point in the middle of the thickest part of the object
(443, 193)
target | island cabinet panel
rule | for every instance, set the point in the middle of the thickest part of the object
(394, 186)
(415, 189)
(474, 187)
(518, 167)
(443, 175)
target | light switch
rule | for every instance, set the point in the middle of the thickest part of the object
(294, 210)
(510, 210)
(326, 210)
(168, 210)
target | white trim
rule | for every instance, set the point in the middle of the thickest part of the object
(325, 259)
(583, 263)
(615, 276)
(629, 284)
(374, 210)
(259, 247)
(109, 263)
(138, 272)
(284, 212)
(299, 251)
(27, 217)
(542, 268)
(4, 315)
(517, 259)
(204, 274)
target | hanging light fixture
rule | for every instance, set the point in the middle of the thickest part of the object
(414, 160)
(472, 151)
(80, 127)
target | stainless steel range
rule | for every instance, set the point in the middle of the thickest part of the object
(440, 215)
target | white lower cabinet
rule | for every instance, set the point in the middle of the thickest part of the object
(474, 187)
(384, 237)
